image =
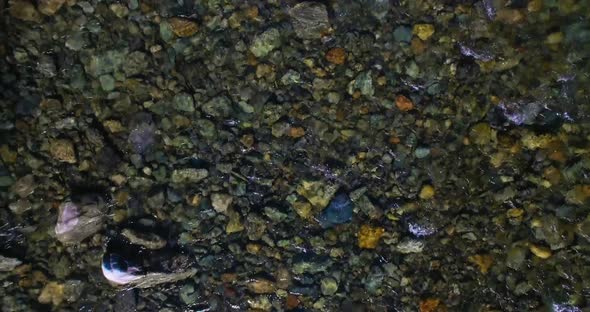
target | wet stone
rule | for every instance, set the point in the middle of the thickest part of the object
(410, 246)
(403, 34)
(261, 286)
(339, 211)
(25, 186)
(309, 19)
(265, 42)
(25, 11)
(107, 82)
(63, 150)
(183, 27)
(148, 240)
(8, 264)
(188, 175)
(221, 202)
(329, 286)
(217, 107)
(50, 7)
(515, 257)
(80, 218)
(184, 102)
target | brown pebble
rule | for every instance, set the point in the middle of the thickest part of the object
(336, 56)
(63, 150)
(292, 302)
(296, 132)
(403, 103)
(50, 7)
(251, 12)
(183, 27)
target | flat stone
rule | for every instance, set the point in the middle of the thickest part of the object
(310, 20)
(410, 246)
(188, 175)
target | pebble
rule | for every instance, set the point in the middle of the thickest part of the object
(329, 286)
(296, 132)
(259, 303)
(317, 193)
(183, 27)
(336, 56)
(431, 305)
(266, 42)
(119, 10)
(20, 206)
(540, 251)
(403, 103)
(303, 209)
(24, 10)
(422, 152)
(483, 261)
(79, 219)
(339, 211)
(369, 236)
(363, 83)
(427, 192)
(188, 175)
(402, 34)
(25, 186)
(63, 150)
(148, 240)
(219, 106)
(49, 7)
(8, 156)
(107, 82)
(234, 224)
(408, 246)
(52, 293)
(183, 102)
(309, 20)
(515, 257)
(423, 31)
(292, 302)
(221, 202)
(261, 286)
(8, 264)
(481, 134)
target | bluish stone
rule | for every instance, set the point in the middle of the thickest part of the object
(338, 211)
(403, 34)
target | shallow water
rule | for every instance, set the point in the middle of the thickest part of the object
(364, 155)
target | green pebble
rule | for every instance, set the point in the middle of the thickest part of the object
(329, 286)
(107, 82)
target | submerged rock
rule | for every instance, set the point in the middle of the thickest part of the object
(8, 264)
(338, 211)
(309, 19)
(80, 217)
(521, 112)
(363, 83)
(266, 42)
(143, 133)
